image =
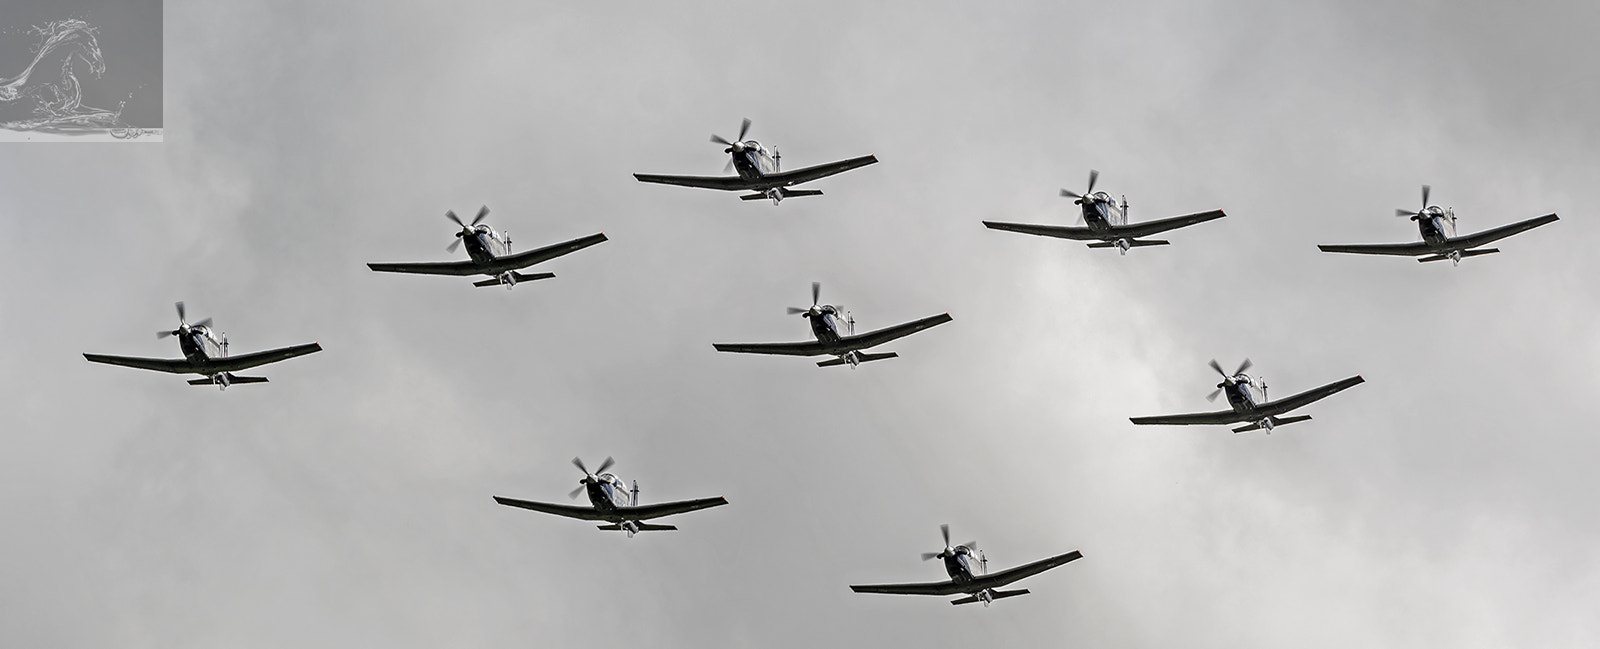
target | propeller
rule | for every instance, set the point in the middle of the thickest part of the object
(1093, 176)
(1425, 190)
(735, 146)
(945, 530)
(816, 295)
(183, 323)
(466, 229)
(1228, 379)
(588, 478)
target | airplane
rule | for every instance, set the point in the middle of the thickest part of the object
(614, 503)
(1262, 414)
(825, 324)
(974, 581)
(1107, 223)
(490, 254)
(207, 355)
(1439, 240)
(758, 171)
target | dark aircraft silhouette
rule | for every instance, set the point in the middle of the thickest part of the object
(490, 254)
(758, 171)
(825, 325)
(207, 355)
(1439, 240)
(1107, 223)
(1262, 415)
(614, 502)
(965, 577)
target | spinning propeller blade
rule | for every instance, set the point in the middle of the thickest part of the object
(1242, 367)
(743, 128)
(1213, 395)
(1094, 175)
(451, 214)
(482, 212)
(181, 317)
(1426, 189)
(1218, 368)
(816, 294)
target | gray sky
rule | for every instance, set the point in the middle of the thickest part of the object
(1447, 502)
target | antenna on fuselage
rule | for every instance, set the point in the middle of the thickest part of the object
(850, 321)
(1124, 209)
(635, 493)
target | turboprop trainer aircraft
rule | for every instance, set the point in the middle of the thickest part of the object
(1439, 240)
(758, 171)
(969, 574)
(1107, 223)
(206, 354)
(490, 254)
(614, 503)
(1263, 414)
(825, 326)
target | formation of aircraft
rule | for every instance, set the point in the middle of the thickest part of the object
(1106, 222)
(206, 354)
(614, 502)
(969, 574)
(490, 254)
(759, 171)
(826, 326)
(1262, 414)
(1439, 240)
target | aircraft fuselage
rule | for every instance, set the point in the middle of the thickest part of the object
(1100, 213)
(752, 161)
(958, 565)
(484, 245)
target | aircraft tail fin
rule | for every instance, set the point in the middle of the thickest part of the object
(1464, 254)
(993, 595)
(495, 281)
(860, 357)
(641, 527)
(1132, 243)
(1276, 421)
(233, 379)
(786, 193)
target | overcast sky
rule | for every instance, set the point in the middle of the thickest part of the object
(1448, 501)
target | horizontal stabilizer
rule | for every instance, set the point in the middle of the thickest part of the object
(1464, 254)
(518, 276)
(860, 357)
(1132, 243)
(232, 380)
(786, 193)
(641, 527)
(1276, 421)
(993, 595)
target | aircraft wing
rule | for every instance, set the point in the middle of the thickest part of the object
(1401, 249)
(808, 174)
(998, 579)
(728, 183)
(569, 511)
(886, 334)
(1303, 399)
(468, 267)
(226, 364)
(531, 257)
(499, 265)
(647, 512)
(934, 588)
(175, 366)
(1489, 236)
(1057, 231)
(809, 348)
(1220, 417)
(1154, 227)
(247, 361)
